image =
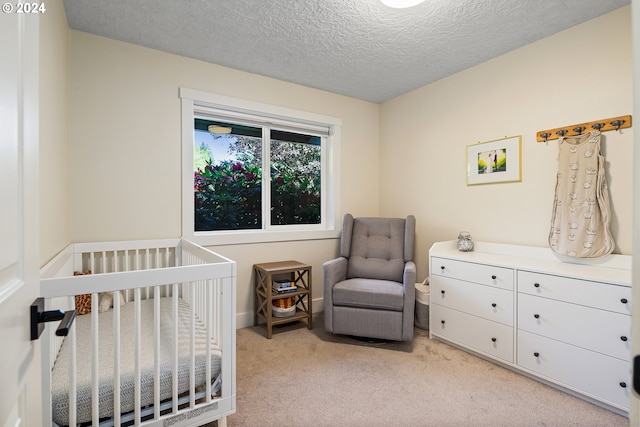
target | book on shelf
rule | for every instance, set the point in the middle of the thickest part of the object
(292, 288)
(283, 284)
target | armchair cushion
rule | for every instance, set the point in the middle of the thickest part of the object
(369, 293)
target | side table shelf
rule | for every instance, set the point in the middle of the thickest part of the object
(264, 275)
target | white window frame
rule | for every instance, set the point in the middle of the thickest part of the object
(194, 101)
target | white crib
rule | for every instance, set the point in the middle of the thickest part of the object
(177, 297)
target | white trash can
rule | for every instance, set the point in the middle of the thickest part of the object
(422, 305)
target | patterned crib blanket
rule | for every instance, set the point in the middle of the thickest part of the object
(61, 374)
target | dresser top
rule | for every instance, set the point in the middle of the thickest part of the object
(614, 269)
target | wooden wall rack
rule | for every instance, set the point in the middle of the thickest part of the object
(613, 123)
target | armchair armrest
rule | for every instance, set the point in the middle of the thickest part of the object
(409, 282)
(409, 276)
(334, 271)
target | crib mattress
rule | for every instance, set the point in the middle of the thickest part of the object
(61, 374)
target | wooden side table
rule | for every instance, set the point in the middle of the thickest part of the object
(294, 271)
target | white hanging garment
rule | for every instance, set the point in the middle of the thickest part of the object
(581, 208)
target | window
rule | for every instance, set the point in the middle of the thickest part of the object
(254, 172)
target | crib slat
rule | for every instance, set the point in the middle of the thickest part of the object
(174, 373)
(137, 373)
(192, 344)
(228, 338)
(116, 360)
(217, 305)
(73, 407)
(156, 350)
(147, 266)
(209, 299)
(95, 379)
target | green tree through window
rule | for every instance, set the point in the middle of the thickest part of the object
(228, 176)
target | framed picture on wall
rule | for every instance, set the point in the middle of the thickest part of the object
(494, 161)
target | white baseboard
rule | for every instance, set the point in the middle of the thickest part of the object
(245, 320)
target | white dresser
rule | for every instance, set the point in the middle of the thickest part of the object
(565, 323)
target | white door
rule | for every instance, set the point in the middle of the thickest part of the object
(20, 395)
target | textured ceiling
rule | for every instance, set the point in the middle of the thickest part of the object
(358, 48)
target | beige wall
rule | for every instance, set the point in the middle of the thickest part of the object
(579, 75)
(54, 131)
(125, 148)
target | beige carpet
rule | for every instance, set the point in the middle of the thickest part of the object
(311, 378)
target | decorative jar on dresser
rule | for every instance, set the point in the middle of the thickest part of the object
(565, 322)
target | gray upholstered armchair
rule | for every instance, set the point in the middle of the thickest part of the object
(369, 291)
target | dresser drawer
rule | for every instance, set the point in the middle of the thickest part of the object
(593, 294)
(598, 330)
(597, 375)
(488, 275)
(485, 336)
(484, 301)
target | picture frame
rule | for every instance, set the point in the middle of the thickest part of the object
(495, 161)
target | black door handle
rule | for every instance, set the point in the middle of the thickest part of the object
(39, 317)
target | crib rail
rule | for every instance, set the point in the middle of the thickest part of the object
(168, 272)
